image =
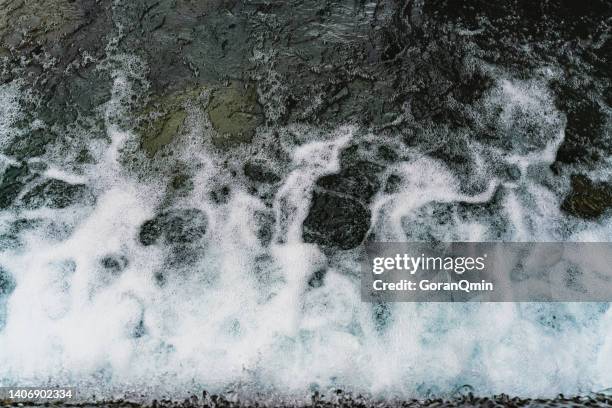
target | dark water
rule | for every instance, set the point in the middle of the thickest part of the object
(186, 186)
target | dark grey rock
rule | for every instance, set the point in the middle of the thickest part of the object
(114, 264)
(150, 232)
(336, 222)
(316, 280)
(260, 173)
(586, 138)
(386, 153)
(181, 184)
(265, 226)
(182, 255)
(185, 226)
(32, 144)
(13, 181)
(393, 184)
(7, 286)
(7, 283)
(339, 216)
(359, 181)
(58, 194)
(220, 195)
(175, 227)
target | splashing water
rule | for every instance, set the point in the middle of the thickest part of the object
(88, 301)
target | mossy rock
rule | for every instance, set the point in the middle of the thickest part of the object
(42, 21)
(163, 131)
(163, 118)
(234, 114)
(587, 199)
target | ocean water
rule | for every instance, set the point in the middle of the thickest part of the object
(84, 303)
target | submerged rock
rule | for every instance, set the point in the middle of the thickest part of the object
(7, 283)
(233, 111)
(264, 226)
(165, 130)
(57, 194)
(339, 215)
(260, 172)
(13, 181)
(588, 199)
(33, 144)
(336, 222)
(114, 264)
(234, 114)
(7, 286)
(163, 118)
(174, 227)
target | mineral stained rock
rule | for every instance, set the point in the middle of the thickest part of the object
(588, 199)
(163, 118)
(234, 114)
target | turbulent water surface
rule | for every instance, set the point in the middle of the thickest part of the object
(186, 187)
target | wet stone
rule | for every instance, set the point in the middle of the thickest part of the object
(7, 282)
(264, 223)
(393, 184)
(13, 181)
(182, 255)
(335, 221)
(181, 183)
(234, 114)
(585, 138)
(33, 144)
(588, 199)
(175, 227)
(359, 181)
(7, 286)
(339, 216)
(220, 195)
(316, 280)
(57, 194)
(386, 153)
(115, 264)
(163, 131)
(260, 173)
(163, 119)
